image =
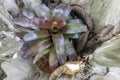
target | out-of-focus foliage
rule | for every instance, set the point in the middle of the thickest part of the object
(6, 39)
(18, 68)
(108, 54)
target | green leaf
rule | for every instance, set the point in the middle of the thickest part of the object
(38, 56)
(72, 36)
(76, 21)
(42, 33)
(108, 53)
(75, 26)
(53, 61)
(35, 35)
(23, 29)
(59, 43)
(70, 51)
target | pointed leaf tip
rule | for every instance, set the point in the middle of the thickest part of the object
(34, 47)
(53, 61)
(28, 13)
(75, 27)
(36, 35)
(39, 55)
(24, 22)
(59, 44)
(70, 51)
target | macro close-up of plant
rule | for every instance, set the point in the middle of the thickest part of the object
(59, 39)
(52, 34)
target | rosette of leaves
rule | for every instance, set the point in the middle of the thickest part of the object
(50, 33)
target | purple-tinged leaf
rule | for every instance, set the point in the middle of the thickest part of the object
(53, 61)
(36, 21)
(44, 7)
(30, 36)
(42, 11)
(67, 10)
(65, 14)
(70, 51)
(28, 13)
(33, 26)
(46, 12)
(45, 24)
(58, 9)
(29, 44)
(59, 44)
(35, 35)
(75, 27)
(24, 22)
(42, 45)
(40, 54)
(62, 12)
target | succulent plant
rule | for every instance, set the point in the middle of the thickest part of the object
(51, 33)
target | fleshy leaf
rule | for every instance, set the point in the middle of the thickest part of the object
(36, 21)
(42, 45)
(58, 9)
(75, 27)
(23, 29)
(71, 36)
(44, 7)
(24, 22)
(67, 11)
(76, 21)
(35, 35)
(62, 12)
(28, 13)
(33, 26)
(30, 36)
(41, 23)
(59, 44)
(45, 24)
(70, 51)
(42, 11)
(29, 44)
(39, 55)
(53, 62)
